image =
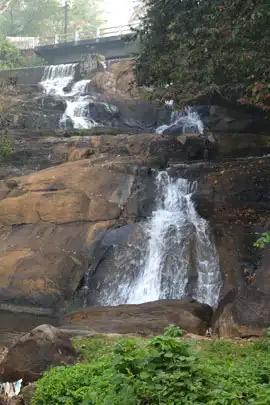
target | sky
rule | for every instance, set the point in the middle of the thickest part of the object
(118, 12)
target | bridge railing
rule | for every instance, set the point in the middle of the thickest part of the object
(74, 37)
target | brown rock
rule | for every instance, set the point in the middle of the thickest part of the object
(118, 80)
(243, 314)
(48, 224)
(79, 153)
(28, 392)
(145, 319)
(33, 353)
(71, 192)
(49, 272)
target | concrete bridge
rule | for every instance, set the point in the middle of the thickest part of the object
(70, 52)
(113, 43)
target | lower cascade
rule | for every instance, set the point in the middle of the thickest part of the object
(177, 258)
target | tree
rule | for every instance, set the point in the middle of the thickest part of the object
(85, 14)
(4, 5)
(30, 18)
(46, 17)
(196, 47)
(10, 57)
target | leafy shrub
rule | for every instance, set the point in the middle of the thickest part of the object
(263, 240)
(163, 370)
(5, 147)
(173, 331)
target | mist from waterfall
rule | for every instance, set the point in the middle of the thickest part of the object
(178, 258)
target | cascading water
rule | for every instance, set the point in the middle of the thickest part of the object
(178, 257)
(179, 246)
(77, 103)
(56, 78)
(56, 81)
(187, 120)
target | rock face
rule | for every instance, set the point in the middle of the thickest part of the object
(49, 221)
(118, 79)
(234, 197)
(35, 352)
(144, 319)
(58, 222)
(73, 201)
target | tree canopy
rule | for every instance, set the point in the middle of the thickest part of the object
(196, 47)
(46, 17)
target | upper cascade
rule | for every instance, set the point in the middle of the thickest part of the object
(56, 78)
(59, 81)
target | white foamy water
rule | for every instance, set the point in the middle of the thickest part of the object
(56, 78)
(55, 81)
(179, 239)
(11, 390)
(77, 111)
(179, 258)
(188, 119)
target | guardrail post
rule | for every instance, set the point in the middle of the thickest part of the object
(76, 37)
(97, 34)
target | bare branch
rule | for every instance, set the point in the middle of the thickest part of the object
(4, 5)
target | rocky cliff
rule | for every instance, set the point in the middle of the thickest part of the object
(68, 197)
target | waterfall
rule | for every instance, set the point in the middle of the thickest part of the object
(57, 81)
(56, 78)
(187, 120)
(178, 258)
(77, 103)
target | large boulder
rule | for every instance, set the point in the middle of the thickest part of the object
(51, 219)
(118, 79)
(244, 312)
(145, 319)
(35, 352)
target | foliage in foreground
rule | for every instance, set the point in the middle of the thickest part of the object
(191, 48)
(162, 370)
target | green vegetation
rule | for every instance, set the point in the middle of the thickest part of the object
(164, 370)
(10, 57)
(5, 147)
(263, 240)
(194, 48)
(46, 17)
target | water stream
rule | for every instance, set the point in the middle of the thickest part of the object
(59, 81)
(178, 258)
(175, 257)
(188, 120)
